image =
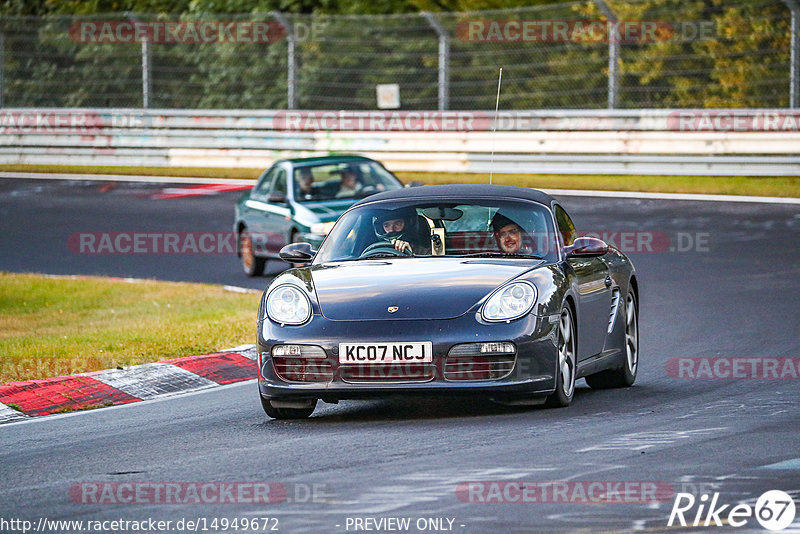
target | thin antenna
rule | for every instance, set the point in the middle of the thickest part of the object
(494, 130)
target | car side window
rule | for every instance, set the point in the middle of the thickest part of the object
(565, 226)
(279, 184)
(264, 184)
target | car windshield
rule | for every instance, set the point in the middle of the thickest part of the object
(351, 179)
(469, 228)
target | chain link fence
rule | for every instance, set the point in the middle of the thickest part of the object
(578, 55)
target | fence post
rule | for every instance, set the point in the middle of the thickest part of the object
(444, 60)
(794, 54)
(290, 75)
(2, 65)
(613, 53)
(145, 63)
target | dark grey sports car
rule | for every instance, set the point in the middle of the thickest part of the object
(453, 289)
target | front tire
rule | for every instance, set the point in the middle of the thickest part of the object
(624, 376)
(567, 361)
(287, 413)
(252, 265)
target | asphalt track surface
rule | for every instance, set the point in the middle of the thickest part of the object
(735, 296)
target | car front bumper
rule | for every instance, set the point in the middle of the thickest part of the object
(533, 373)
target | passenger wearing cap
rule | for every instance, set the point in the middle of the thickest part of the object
(401, 229)
(508, 235)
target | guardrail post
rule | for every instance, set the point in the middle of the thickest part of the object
(613, 53)
(145, 64)
(444, 60)
(290, 59)
(794, 54)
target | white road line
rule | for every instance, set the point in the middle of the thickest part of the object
(793, 464)
(670, 196)
(554, 192)
(126, 178)
(645, 440)
(237, 289)
(162, 398)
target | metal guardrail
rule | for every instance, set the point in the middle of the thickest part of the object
(646, 165)
(690, 142)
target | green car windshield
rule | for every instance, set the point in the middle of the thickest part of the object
(479, 228)
(352, 179)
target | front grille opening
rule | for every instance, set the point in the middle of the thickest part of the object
(302, 369)
(387, 373)
(480, 361)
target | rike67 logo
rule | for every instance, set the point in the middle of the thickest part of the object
(774, 510)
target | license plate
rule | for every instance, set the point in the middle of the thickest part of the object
(408, 352)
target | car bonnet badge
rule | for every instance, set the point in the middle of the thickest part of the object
(392, 309)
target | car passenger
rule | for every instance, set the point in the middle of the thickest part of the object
(350, 185)
(509, 235)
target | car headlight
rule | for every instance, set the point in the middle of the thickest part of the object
(510, 302)
(322, 228)
(287, 304)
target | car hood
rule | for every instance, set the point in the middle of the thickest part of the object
(420, 288)
(311, 212)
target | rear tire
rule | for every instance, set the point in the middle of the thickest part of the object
(287, 413)
(626, 375)
(252, 265)
(567, 361)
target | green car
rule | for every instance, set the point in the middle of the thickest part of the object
(298, 200)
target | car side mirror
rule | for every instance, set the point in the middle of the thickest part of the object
(586, 246)
(297, 253)
(415, 184)
(277, 197)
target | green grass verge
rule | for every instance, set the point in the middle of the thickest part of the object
(56, 326)
(770, 186)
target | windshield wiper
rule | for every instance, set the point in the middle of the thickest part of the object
(383, 255)
(491, 254)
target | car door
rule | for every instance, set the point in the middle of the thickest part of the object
(276, 214)
(592, 285)
(254, 208)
